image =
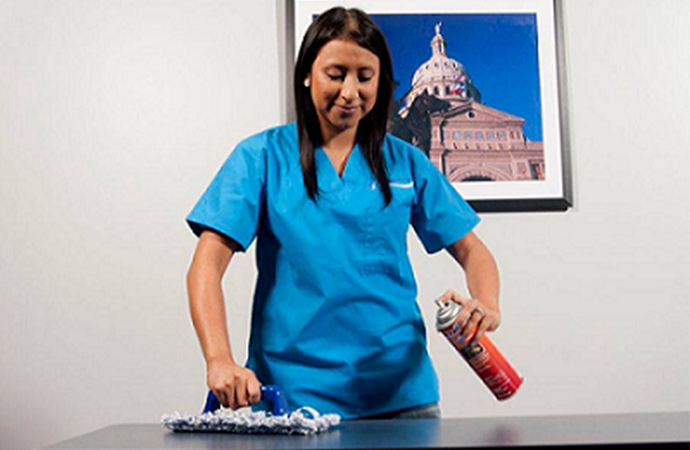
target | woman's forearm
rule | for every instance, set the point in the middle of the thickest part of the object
(482, 276)
(207, 307)
(480, 269)
(480, 313)
(206, 302)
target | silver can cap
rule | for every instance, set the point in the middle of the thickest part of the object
(447, 313)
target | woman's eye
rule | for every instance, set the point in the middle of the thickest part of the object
(364, 79)
(336, 77)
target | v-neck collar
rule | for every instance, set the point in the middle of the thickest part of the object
(356, 170)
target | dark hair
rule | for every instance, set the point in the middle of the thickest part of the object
(355, 25)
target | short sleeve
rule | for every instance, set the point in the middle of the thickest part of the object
(440, 216)
(233, 201)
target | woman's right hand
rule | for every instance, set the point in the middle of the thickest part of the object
(234, 386)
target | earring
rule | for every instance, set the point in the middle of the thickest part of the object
(307, 83)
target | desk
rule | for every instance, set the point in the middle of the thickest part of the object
(663, 430)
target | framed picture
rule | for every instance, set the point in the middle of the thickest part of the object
(480, 89)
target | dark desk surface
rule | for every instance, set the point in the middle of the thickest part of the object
(572, 431)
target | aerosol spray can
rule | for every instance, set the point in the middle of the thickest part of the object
(483, 356)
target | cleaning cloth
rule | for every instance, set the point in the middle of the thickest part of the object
(280, 420)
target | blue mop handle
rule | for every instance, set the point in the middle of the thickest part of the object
(273, 394)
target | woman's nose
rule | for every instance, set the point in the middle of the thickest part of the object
(350, 89)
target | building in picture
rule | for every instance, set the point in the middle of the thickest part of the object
(443, 114)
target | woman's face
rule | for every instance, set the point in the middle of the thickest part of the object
(344, 80)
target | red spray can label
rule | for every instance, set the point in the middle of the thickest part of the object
(483, 356)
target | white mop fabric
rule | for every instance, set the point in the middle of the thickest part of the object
(305, 420)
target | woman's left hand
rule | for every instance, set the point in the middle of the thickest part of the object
(474, 314)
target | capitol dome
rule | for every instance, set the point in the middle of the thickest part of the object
(439, 66)
(441, 76)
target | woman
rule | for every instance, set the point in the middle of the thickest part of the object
(330, 199)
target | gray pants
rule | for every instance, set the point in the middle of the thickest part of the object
(430, 411)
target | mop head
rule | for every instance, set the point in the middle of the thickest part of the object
(304, 421)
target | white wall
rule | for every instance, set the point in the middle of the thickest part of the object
(114, 116)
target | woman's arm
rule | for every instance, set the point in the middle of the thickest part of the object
(480, 268)
(234, 385)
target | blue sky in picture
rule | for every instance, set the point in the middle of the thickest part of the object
(498, 50)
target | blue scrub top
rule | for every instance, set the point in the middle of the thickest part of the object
(335, 320)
